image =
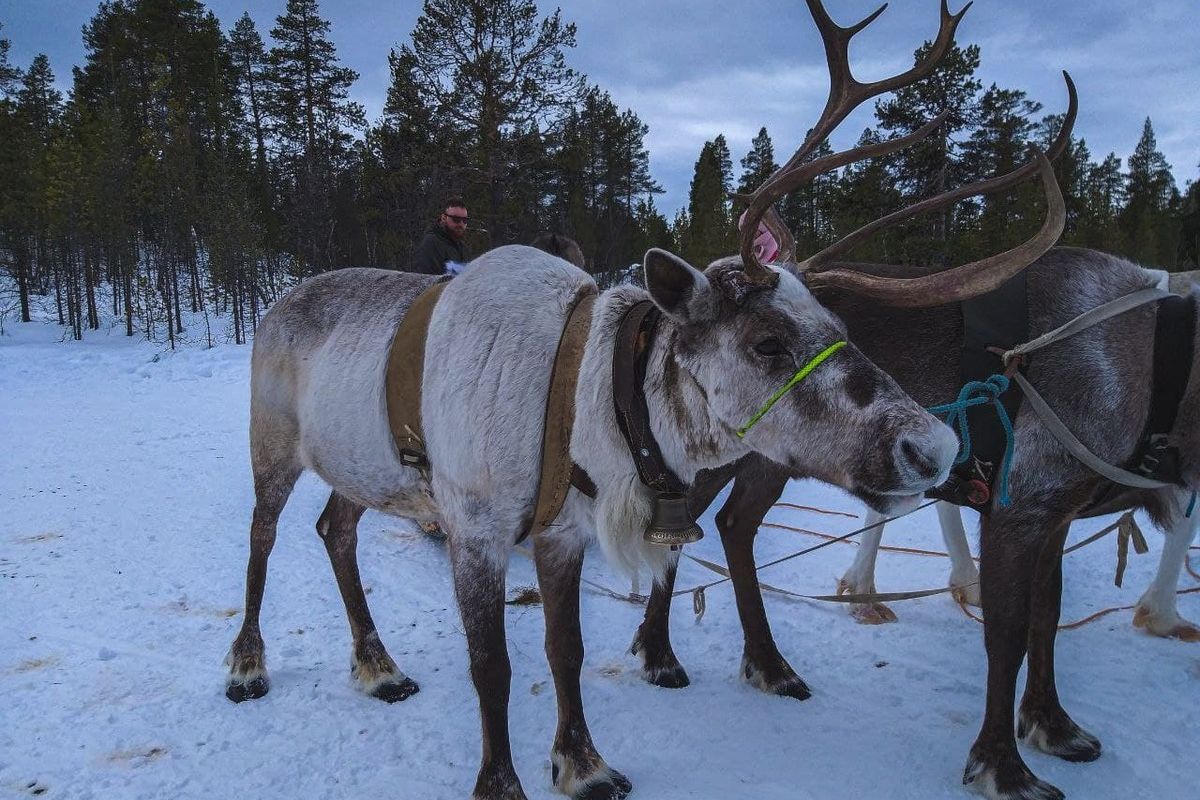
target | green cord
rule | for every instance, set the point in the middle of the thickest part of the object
(800, 375)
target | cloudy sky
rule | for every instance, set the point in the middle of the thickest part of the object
(692, 69)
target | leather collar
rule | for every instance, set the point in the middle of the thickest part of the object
(630, 354)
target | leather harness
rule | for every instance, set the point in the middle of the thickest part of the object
(405, 370)
(630, 354)
(1003, 316)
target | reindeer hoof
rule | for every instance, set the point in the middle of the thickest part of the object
(789, 684)
(675, 677)
(1168, 627)
(1055, 733)
(1007, 779)
(661, 668)
(395, 691)
(616, 787)
(967, 595)
(872, 614)
(252, 689)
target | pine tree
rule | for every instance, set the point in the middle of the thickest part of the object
(1105, 195)
(311, 119)
(758, 164)
(866, 191)
(710, 231)
(495, 70)
(38, 110)
(808, 211)
(998, 145)
(9, 75)
(1189, 228)
(930, 167)
(1148, 220)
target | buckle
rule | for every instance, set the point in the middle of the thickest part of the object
(413, 458)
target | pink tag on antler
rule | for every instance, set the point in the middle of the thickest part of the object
(766, 248)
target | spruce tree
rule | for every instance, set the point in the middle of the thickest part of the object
(9, 75)
(1148, 220)
(312, 116)
(999, 144)
(930, 167)
(38, 109)
(866, 191)
(496, 71)
(1189, 228)
(758, 164)
(710, 230)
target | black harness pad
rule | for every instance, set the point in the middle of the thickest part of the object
(1174, 336)
(1000, 319)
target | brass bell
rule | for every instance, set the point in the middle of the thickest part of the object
(670, 522)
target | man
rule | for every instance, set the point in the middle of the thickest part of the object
(443, 242)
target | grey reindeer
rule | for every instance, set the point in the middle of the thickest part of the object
(1098, 381)
(1156, 611)
(727, 339)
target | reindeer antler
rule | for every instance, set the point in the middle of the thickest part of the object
(947, 286)
(966, 280)
(845, 94)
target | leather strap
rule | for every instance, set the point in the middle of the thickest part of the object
(405, 371)
(630, 353)
(558, 471)
(1174, 336)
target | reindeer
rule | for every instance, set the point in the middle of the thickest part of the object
(1099, 381)
(726, 339)
(1156, 610)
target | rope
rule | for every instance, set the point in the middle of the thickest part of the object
(914, 551)
(976, 393)
(800, 375)
(825, 511)
(1128, 532)
(698, 601)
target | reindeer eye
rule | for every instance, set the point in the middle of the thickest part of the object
(769, 347)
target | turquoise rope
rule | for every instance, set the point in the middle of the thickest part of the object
(1191, 506)
(973, 394)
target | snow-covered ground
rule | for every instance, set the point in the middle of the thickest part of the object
(125, 502)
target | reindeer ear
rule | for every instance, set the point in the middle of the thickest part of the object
(678, 288)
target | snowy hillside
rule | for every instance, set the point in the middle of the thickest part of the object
(125, 501)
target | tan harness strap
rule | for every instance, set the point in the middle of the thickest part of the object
(557, 468)
(405, 370)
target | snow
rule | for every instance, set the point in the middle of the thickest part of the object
(125, 500)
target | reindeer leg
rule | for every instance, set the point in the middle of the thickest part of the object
(1009, 556)
(247, 661)
(578, 769)
(738, 520)
(371, 666)
(479, 559)
(860, 578)
(1042, 722)
(653, 638)
(1156, 609)
(964, 575)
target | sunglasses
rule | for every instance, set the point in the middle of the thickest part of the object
(456, 218)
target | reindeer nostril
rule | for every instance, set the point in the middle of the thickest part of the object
(918, 459)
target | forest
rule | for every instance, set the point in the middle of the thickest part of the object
(199, 167)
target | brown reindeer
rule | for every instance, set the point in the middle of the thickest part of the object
(1099, 382)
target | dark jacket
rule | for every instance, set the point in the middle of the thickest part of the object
(430, 255)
